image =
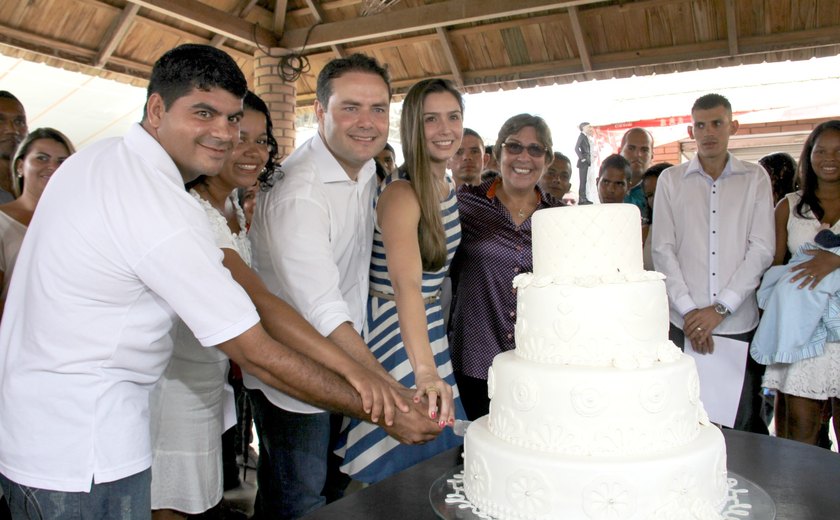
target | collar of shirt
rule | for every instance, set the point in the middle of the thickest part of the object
(144, 145)
(330, 170)
(491, 191)
(734, 166)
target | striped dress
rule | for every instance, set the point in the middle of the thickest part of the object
(370, 455)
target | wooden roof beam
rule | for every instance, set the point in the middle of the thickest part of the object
(443, 38)
(116, 34)
(731, 28)
(241, 11)
(69, 52)
(209, 18)
(280, 16)
(318, 13)
(718, 49)
(423, 18)
(583, 49)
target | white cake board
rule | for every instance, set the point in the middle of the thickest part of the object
(746, 499)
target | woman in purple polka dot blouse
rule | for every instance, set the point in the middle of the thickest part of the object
(495, 247)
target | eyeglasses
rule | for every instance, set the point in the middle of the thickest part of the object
(534, 150)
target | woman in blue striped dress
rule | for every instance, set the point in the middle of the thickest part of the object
(416, 234)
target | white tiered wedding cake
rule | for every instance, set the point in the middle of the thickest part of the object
(595, 414)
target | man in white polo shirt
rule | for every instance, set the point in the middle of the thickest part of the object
(117, 249)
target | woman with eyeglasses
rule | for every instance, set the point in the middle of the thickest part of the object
(495, 247)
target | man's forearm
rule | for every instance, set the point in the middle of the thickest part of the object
(293, 373)
(346, 337)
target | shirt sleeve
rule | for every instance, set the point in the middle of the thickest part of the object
(185, 270)
(664, 246)
(298, 233)
(761, 244)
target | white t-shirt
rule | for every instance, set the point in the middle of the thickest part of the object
(312, 236)
(115, 251)
(11, 237)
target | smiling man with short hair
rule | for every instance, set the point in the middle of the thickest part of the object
(312, 236)
(118, 249)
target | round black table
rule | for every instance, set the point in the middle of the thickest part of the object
(803, 481)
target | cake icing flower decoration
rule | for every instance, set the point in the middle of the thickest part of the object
(608, 499)
(529, 492)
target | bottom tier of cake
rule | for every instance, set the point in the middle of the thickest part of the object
(512, 483)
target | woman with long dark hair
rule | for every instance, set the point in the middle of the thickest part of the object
(803, 388)
(415, 237)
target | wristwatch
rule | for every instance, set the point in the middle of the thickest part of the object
(721, 309)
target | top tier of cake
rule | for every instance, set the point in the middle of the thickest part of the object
(593, 240)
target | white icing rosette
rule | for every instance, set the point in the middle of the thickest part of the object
(477, 477)
(529, 492)
(667, 352)
(609, 498)
(491, 383)
(525, 394)
(654, 396)
(522, 280)
(588, 401)
(682, 486)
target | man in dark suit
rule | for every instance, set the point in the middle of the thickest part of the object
(584, 154)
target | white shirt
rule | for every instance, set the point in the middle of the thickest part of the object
(11, 237)
(116, 249)
(312, 236)
(713, 239)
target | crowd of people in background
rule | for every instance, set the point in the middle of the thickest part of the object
(361, 302)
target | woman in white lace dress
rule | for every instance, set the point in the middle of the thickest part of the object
(192, 405)
(804, 387)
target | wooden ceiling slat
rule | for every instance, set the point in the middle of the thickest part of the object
(392, 56)
(580, 41)
(242, 9)
(495, 50)
(731, 27)
(491, 44)
(449, 54)
(535, 42)
(280, 16)
(116, 34)
(212, 19)
(425, 17)
(560, 39)
(515, 46)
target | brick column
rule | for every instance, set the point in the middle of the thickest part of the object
(280, 98)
